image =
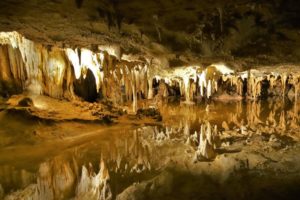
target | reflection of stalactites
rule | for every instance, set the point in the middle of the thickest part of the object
(206, 147)
(104, 175)
(208, 133)
(76, 168)
(84, 182)
(94, 186)
(63, 179)
(254, 111)
(55, 180)
(44, 182)
(271, 119)
(282, 121)
(186, 128)
(239, 108)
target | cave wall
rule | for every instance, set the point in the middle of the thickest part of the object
(38, 69)
(70, 73)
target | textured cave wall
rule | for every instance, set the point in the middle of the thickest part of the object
(37, 69)
(182, 31)
(120, 46)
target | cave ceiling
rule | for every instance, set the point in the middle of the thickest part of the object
(180, 31)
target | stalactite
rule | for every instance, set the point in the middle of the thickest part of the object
(133, 86)
(150, 89)
(209, 89)
(5, 65)
(296, 84)
(240, 87)
(215, 86)
(186, 84)
(202, 82)
(52, 71)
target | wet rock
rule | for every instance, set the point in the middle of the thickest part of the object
(25, 102)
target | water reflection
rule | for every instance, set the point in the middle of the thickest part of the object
(104, 167)
(278, 115)
(90, 171)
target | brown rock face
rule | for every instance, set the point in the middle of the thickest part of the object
(183, 31)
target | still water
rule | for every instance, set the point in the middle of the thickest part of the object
(53, 156)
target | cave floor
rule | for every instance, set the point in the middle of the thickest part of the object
(255, 154)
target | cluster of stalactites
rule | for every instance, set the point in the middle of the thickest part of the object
(41, 70)
(121, 82)
(207, 82)
(190, 81)
(127, 83)
(87, 60)
(34, 67)
(255, 82)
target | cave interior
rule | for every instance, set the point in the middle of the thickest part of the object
(152, 99)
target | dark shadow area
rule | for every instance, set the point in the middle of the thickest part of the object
(243, 184)
(86, 87)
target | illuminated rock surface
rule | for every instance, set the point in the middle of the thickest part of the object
(149, 99)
